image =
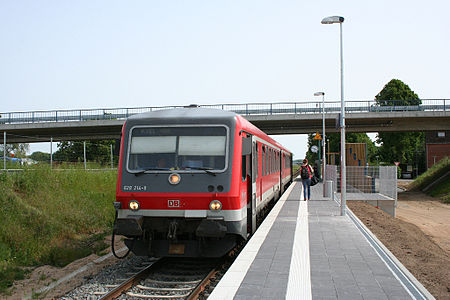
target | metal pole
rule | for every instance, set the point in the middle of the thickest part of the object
(343, 171)
(51, 152)
(112, 157)
(84, 154)
(319, 168)
(4, 150)
(323, 145)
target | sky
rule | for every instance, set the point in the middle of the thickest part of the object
(107, 54)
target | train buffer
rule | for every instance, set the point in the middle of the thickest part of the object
(307, 250)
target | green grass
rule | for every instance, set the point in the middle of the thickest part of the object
(52, 217)
(441, 190)
(9, 274)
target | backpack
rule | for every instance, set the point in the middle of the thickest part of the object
(304, 173)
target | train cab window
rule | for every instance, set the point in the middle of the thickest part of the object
(177, 148)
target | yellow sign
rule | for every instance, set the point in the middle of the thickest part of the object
(317, 136)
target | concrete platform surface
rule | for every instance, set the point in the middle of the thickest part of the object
(306, 250)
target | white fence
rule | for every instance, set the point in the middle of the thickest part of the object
(367, 180)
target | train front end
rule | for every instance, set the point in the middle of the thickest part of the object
(175, 195)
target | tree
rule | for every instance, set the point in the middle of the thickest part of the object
(400, 146)
(395, 92)
(40, 156)
(19, 150)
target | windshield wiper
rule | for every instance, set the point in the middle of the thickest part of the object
(149, 169)
(207, 170)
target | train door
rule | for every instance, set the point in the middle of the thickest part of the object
(254, 178)
(249, 166)
(252, 167)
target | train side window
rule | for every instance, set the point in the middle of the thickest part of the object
(273, 161)
(278, 161)
(263, 161)
(255, 159)
(244, 167)
(270, 161)
(267, 162)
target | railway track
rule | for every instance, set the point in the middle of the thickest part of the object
(166, 278)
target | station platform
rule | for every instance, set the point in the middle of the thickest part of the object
(307, 250)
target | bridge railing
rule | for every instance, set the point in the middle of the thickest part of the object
(247, 109)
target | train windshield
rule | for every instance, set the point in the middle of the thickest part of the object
(189, 148)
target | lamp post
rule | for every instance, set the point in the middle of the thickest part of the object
(323, 139)
(339, 20)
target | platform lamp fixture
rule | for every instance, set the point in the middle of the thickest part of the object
(323, 139)
(339, 20)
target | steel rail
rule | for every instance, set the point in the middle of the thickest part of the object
(129, 283)
(201, 286)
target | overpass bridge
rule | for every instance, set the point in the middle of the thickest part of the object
(273, 118)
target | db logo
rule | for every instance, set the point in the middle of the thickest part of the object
(173, 203)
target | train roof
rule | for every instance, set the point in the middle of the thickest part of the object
(185, 113)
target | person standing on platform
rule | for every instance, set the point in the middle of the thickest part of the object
(306, 172)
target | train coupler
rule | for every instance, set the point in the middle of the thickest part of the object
(211, 228)
(172, 232)
(129, 226)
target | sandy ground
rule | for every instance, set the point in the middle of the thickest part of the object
(419, 237)
(432, 217)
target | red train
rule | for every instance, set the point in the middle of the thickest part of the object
(192, 181)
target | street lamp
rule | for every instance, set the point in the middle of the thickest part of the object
(340, 20)
(323, 138)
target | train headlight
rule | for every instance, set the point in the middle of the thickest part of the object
(134, 205)
(215, 205)
(174, 178)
